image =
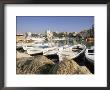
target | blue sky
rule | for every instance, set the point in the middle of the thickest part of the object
(39, 24)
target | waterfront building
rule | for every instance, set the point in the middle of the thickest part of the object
(49, 35)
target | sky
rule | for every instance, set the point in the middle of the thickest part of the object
(39, 24)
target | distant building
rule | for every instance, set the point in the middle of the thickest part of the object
(75, 33)
(49, 35)
(27, 35)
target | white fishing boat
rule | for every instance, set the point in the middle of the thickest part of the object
(50, 51)
(33, 45)
(19, 45)
(40, 49)
(71, 52)
(34, 51)
(89, 53)
(54, 51)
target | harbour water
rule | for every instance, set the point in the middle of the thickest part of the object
(71, 41)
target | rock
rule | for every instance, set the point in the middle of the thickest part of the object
(38, 65)
(42, 65)
(22, 65)
(66, 67)
(69, 67)
(84, 70)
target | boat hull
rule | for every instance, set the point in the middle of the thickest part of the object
(72, 54)
(90, 60)
(89, 56)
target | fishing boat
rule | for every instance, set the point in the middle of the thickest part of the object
(19, 46)
(30, 45)
(71, 52)
(53, 50)
(89, 53)
(33, 45)
(35, 51)
(40, 49)
(50, 51)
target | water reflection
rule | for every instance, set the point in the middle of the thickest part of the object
(71, 41)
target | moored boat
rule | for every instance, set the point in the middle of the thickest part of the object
(50, 51)
(71, 52)
(40, 49)
(31, 45)
(89, 54)
(18, 45)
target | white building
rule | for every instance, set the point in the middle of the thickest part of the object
(27, 35)
(49, 35)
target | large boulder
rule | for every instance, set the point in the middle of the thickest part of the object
(84, 70)
(66, 67)
(37, 65)
(69, 67)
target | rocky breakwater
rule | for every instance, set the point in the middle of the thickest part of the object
(40, 64)
(34, 65)
(70, 67)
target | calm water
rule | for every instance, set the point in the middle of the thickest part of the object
(73, 42)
